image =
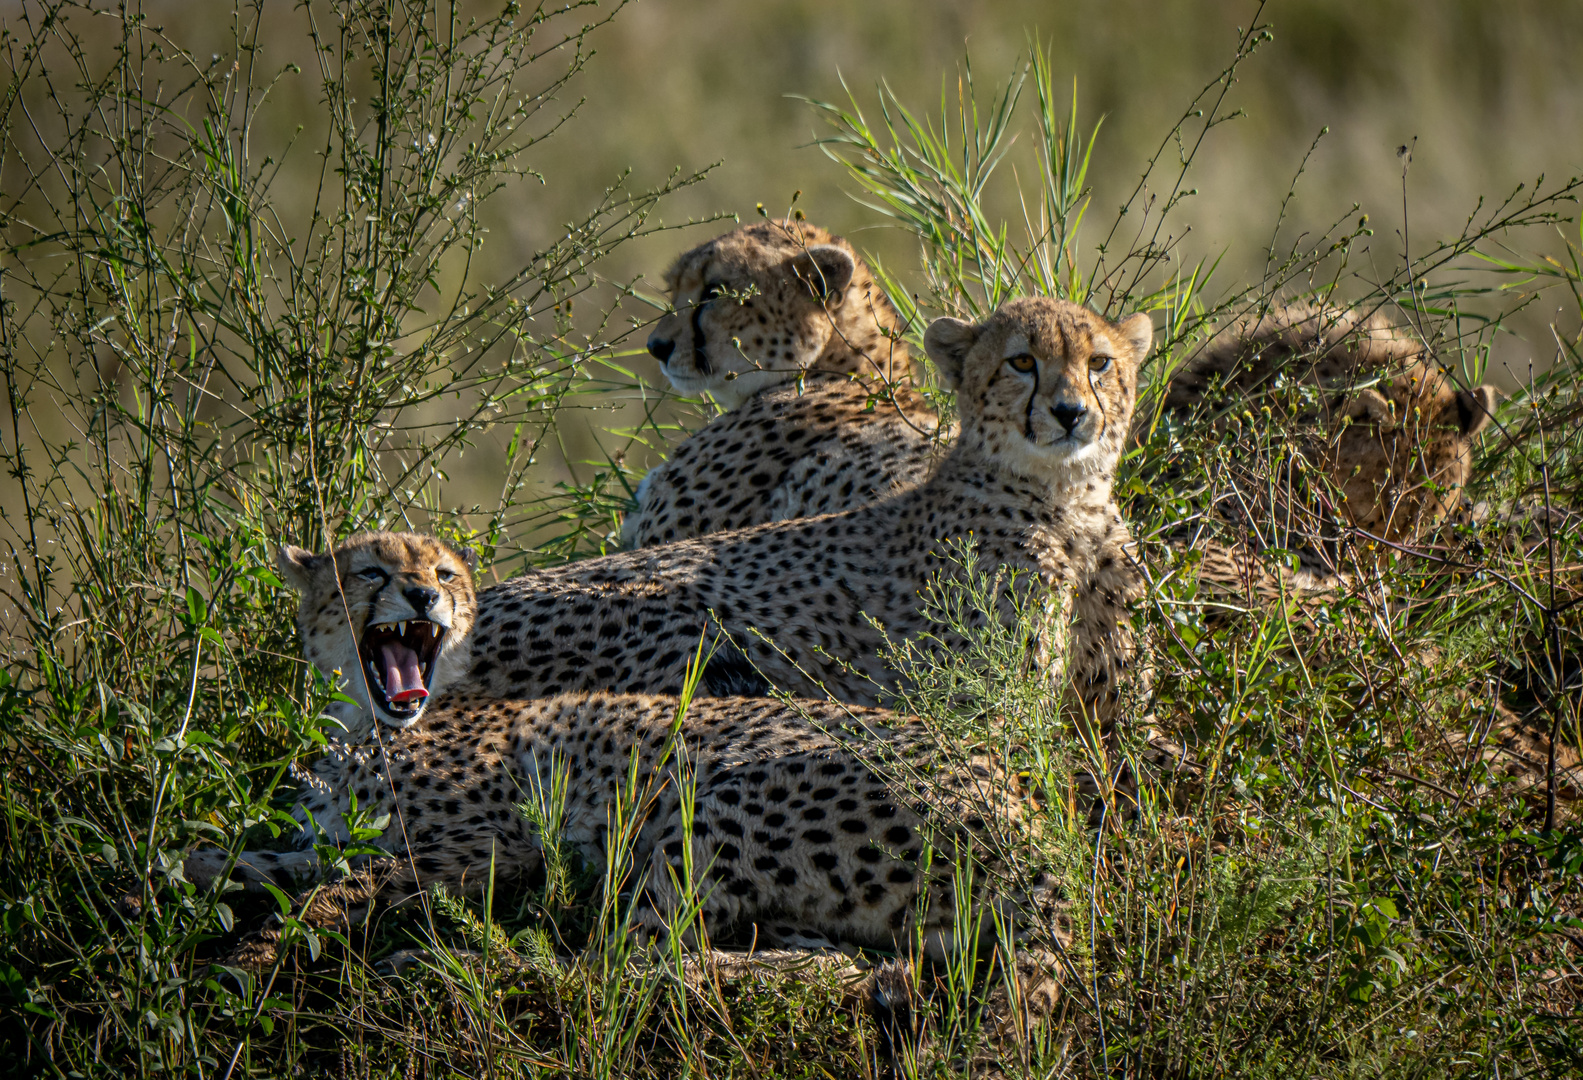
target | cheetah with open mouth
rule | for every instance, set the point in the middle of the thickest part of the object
(387, 615)
(804, 822)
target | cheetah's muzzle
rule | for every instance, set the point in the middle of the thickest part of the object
(400, 659)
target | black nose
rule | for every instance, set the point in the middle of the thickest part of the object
(661, 348)
(421, 597)
(1069, 416)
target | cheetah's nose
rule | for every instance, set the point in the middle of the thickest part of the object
(1069, 416)
(661, 348)
(421, 597)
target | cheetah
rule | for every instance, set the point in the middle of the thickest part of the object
(802, 821)
(809, 821)
(388, 616)
(1400, 432)
(1386, 430)
(1045, 392)
(784, 325)
(765, 303)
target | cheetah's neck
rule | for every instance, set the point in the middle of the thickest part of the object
(970, 473)
(880, 361)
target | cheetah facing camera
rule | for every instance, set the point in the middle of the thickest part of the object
(785, 325)
(1396, 433)
(1045, 392)
(386, 614)
(809, 822)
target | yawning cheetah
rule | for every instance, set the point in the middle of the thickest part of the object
(387, 615)
(808, 821)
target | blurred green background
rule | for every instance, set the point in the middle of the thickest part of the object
(1492, 92)
(1489, 95)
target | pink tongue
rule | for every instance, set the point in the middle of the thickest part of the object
(403, 681)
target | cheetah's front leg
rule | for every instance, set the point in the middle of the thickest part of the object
(287, 870)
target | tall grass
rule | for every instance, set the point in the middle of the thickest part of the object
(202, 357)
(1363, 860)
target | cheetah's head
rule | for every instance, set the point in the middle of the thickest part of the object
(1044, 387)
(1393, 432)
(388, 614)
(1400, 453)
(763, 304)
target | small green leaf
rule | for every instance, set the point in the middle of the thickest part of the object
(281, 899)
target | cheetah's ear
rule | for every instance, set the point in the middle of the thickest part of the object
(297, 566)
(1475, 408)
(1138, 332)
(948, 341)
(1368, 406)
(469, 557)
(826, 270)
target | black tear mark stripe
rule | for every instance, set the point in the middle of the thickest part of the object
(700, 355)
(1033, 396)
(1104, 422)
(373, 601)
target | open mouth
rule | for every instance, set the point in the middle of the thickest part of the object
(399, 659)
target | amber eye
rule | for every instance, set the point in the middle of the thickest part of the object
(1099, 364)
(1022, 364)
(373, 573)
(445, 573)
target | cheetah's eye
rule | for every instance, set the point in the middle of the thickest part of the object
(373, 573)
(1099, 364)
(711, 291)
(445, 573)
(1022, 364)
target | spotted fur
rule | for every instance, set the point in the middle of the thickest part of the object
(799, 599)
(810, 821)
(784, 324)
(819, 446)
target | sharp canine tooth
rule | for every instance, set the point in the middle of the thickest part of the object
(401, 628)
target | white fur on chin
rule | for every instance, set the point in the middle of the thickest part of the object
(1062, 464)
(732, 393)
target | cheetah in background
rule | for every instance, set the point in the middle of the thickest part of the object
(1045, 394)
(798, 299)
(809, 820)
(784, 325)
(1395, 432)
(1387, 430)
